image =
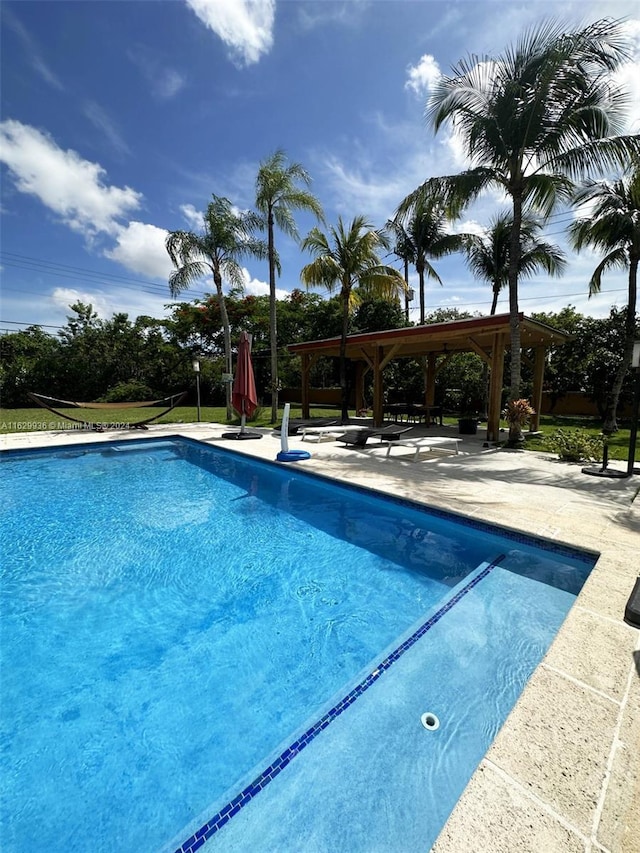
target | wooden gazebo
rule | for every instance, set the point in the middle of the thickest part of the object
(489, 337)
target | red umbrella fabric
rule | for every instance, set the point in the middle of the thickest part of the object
(243, 396)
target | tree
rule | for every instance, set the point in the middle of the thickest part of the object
(588, 361)
(226, 238)
(27, 361)
(566, 364)
(81, 371)
(421, 234)
(347, 258)
(376, 315)
(613, 227)
(488, 256)
(531, 121)
(404, 250)
(278, 194)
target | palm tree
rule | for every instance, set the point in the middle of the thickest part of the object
(348, 258)
(614, 228)
(226, 238)
(423, 235)
(277, 195)
(488, 256)
(533, 119)
(403, 249)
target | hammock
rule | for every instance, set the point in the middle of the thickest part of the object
(173, 401)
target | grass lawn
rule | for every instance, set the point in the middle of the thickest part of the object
(618, 443)
(32, 420)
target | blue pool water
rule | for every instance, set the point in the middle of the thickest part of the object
(174, 615)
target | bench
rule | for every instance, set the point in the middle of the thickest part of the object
(447, 444)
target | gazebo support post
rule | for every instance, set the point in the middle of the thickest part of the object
(378, 395)
(430, 385)
(304, 395)
(361, 369)
(538, 382)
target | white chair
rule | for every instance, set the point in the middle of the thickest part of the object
(447, 444)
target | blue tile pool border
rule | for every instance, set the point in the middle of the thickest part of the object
(583, 554)
(232, 808)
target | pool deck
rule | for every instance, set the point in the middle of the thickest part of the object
(563, 773)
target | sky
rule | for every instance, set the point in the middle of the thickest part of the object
(120, 119)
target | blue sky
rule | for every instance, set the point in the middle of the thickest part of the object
(120, 119)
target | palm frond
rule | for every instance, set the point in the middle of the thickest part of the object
(277, 191)
(617, 259)
(186, 275)
(453, 193)
(543, 191)
(324, 271)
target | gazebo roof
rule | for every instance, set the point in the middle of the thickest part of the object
(451, 336)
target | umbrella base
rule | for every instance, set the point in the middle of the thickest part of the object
(292, 455)
(241, 436)
(605, 472)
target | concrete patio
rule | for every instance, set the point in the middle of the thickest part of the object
(563, 773)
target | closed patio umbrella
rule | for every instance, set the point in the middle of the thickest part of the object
(243, 396)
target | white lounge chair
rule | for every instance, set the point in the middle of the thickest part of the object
(325, 433)
(447, 444)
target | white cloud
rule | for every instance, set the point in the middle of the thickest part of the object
(255, 287)
(192, 216)
(169, 83)
(362, 189)
(141, 248)
(347, 13)
(135, 303)
(63, 297)
(245, 26)
(165, 82)
(360, 184)
(628, 75)
(105, 124)
(423, 76)
(467, 226)
(32, 50)
(71, 187)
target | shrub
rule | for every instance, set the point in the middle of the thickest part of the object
(125, 392)
(518, 412)
(576, 445)
(257, 415)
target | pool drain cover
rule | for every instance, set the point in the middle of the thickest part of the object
(430, 721)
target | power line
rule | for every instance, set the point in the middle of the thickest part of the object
(88, 276)
(69, 268)
(24, 323)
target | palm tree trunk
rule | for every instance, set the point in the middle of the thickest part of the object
(228, 366)
(273, 330)
(344, 391)
(610, 424)
(515, 432)
(494, 304)
(420, 271)
(406, 293)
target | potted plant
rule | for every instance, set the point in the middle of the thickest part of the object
(468, 423)
(468, 406)
(517, 414)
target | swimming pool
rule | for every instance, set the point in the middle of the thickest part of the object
(177, 616)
